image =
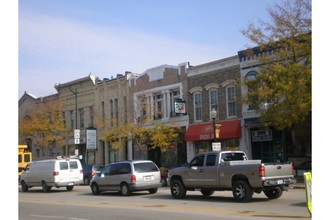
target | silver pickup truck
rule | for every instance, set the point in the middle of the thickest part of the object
(231, 170)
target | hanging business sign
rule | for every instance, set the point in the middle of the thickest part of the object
(179, 106)
(262, 135)
(90, 138)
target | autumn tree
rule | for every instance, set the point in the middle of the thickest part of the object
(44, 125)
(282, 88)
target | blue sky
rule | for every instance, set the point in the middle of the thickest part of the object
(64, 40)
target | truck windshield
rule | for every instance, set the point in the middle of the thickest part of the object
(233, 156)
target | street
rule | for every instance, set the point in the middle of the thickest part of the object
(80, 204)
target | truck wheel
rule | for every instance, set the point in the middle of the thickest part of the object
(207, 192)
(95, 189)
(274, 193)
(242, 191)
(24, 187)
(69, 188)
(178, 190)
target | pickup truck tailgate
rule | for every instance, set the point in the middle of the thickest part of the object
(278, 170)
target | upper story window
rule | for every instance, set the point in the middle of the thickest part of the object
(197, 106)
(102, 110)
(111, 112)
(71, 119)
(116, 110)
(213, 96)
(159, 106)
(81, 118)
(125, 108)
(91, 115)
(63, 117)
(175, 94)
(251, 76)
(231, 102)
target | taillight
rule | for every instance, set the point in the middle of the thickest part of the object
(56, 173)
(93, 173)
(292, 169)
(133, 179)
(262, 172)
(81, 171)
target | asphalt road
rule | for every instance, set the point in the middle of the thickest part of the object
(80, 204)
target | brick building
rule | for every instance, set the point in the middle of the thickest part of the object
(214, 85)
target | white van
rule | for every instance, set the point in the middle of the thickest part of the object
(52, 173)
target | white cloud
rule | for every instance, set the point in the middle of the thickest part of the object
(62, 50)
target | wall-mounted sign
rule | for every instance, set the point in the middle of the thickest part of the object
(179, 106)
(90, 138)
(262, 135)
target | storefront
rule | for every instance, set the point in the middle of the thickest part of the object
(202, 135)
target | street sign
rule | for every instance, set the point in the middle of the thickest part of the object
(77, 141)
(76, 134)
(216, 146)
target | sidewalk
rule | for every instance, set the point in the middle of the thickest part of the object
(300, 184)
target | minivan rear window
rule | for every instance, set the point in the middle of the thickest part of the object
(145, 167)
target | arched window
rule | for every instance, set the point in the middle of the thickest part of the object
(251, 76)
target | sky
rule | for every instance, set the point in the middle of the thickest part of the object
(64, 40)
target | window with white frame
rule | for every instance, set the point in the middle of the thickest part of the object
(251, 76)
(197, 106)
(213, 96)
(159, 106)
(175, 94)
(231, 103)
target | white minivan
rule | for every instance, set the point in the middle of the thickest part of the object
(57, 173)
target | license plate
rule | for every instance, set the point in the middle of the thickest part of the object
(148, 178)
(70, 184)
(279, 181)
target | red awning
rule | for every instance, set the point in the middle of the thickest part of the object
(200, 132)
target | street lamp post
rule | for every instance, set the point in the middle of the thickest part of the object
(213, 116)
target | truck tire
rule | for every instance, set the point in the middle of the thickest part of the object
(274, 193)
(178, 190)
(207, 192)
(242, 191)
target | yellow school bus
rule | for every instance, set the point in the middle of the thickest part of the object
(24, 157)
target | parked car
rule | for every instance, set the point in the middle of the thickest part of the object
(126, 177)
(90, 170)
(63, 172)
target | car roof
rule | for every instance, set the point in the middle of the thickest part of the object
(132, 161)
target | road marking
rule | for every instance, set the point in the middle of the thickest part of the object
(57, 217)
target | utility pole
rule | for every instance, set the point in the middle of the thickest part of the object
(76, 131)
